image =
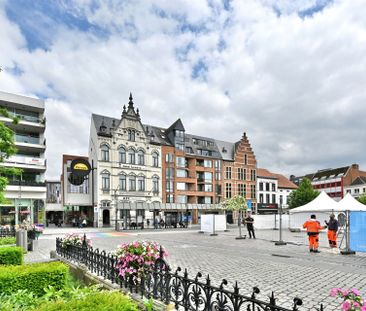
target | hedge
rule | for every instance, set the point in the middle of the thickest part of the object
(11, 255)
(33, 277)
(105, 300)
(7, 240)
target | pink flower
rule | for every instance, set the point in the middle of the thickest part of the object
(363, 308)
(345, 292)
(346, 305)
(356, 304)
(334, 292)
(355, 291)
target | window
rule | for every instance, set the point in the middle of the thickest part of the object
(181, 199)
(181, 173)
(240, 173)
(207, 176)
(267, 198)
(189, 150)
(245, 159)
(217, 175)
(241, 190)
(155, 180)
(105, 180)
(181, 186)
(155, 159)
(141, 183)
(169, 158)
(141, 157)
(261, 198)
(208, 188)
(274, 187)
(252, 175)
(228, 172)
(245, 174)
(179, 133)
(122, 182)
(281, 199)
(169, 172)
(228, 190)
(169, 198)
(131, 156)
(179, 146)
(260, 186)
(169, 186)
(252, 190)
(131, 135)
(122, 155)
(207, 163)
(267, 187)
(357, 190)
(180, 161)
(218, 165)
(273, 198)
(132, 183)
(105, 152)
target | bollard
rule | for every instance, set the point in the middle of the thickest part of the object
(22, 239)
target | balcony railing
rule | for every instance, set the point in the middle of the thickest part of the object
(29, 183)
(27, 160)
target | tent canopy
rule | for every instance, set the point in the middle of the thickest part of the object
(322, 203)
(349, 203)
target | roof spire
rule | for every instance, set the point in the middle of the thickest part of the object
(130, 103)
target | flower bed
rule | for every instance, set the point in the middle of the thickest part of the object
(137, 257)
(75, 240)
(352, 300)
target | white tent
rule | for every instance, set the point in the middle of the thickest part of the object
(322, 206)
(349, 203)
(322, 203)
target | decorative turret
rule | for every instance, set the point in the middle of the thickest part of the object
(102, 127)
(130, 113)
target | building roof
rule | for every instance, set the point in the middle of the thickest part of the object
(283, 182)
(225, 149)
(360, 180)
(331, 173)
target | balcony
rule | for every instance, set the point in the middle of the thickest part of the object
(26, 183)
(26, 162)
(27, 143)
(26, 123)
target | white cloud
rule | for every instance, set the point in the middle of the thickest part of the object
(295, 85)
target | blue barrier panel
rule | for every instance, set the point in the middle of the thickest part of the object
(357, 222)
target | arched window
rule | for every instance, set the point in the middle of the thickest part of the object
(122, 155)
(105, 180)
(155, 159)
(141, 157)
(131, 135)
(104, 152)
(141, 183)
(132, 182)
(131, 156)
(122, 182)
(155, 181)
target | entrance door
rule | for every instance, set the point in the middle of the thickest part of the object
(106, 217)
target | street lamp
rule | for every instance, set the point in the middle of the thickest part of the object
(116, 206)
(280, 241)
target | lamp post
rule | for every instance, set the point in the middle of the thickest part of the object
(115, 207)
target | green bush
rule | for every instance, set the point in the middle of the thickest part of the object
(33, 277)
(7, 240)
(12, 255)
(98, 301)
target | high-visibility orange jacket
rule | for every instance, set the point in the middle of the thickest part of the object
(313, 226)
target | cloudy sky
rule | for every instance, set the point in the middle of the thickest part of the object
(290, 73)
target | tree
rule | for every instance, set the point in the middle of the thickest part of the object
(302, 195)
(7, 149)
(362, 199)
(236, 203)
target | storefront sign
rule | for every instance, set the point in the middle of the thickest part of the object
(264, 208)
(80, 167)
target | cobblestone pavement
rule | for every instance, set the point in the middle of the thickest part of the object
(290, 270)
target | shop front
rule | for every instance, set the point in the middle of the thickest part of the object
(76, 214)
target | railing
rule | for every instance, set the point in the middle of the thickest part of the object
(196, 294)
(7, 233)
(29, 183)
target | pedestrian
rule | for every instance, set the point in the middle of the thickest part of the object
(84, 223)
(332, 230)
(249, 220)
(147, 223)
(313, 227)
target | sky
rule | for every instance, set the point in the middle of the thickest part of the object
(289, 73)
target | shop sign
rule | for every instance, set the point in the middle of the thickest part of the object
(266, 208)
(80, 167)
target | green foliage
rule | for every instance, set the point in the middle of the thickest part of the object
(98, 301)
(7, 240)
(11, 255)
(236, 203)
(362, 199)
(149, 304)
(302, 195)
(33, 277)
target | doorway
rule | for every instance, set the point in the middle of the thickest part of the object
(106, 217)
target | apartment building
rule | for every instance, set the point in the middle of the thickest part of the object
(26, 193)
(357, 188)
(333, 181)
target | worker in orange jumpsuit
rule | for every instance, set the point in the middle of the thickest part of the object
(332, 231)
(313, 227)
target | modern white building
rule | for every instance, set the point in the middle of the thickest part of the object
(127, 161)
(26, 193)
(273, 191)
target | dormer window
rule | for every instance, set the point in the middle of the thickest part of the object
(131, 135)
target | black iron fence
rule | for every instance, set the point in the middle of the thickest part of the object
(7, 233)
(196, 294)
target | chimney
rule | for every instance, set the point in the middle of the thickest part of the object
(355, 166)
